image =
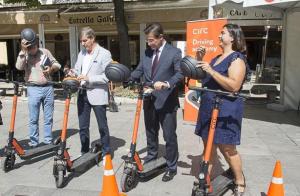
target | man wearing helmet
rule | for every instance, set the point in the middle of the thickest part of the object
(38, 64)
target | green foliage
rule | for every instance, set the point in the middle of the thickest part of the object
(125, 92)
(29, 3)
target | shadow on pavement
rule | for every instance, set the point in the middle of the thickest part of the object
(115, 143)
(260, 112)
(25, 145)
(161, 152)
(195, 166)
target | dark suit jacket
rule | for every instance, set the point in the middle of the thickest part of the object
(167, 70)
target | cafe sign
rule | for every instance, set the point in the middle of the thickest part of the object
(237, 11)
(97, 19)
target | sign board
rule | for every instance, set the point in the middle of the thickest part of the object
(249, 3)
(3, 54)
(204, 33)
(232, 10)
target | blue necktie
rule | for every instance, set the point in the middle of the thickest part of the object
(155, 62)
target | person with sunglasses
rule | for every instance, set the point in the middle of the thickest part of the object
(160, 69)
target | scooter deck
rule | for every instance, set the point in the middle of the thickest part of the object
(153, 166)
(38, 151)
(85, 159)
(222, 183)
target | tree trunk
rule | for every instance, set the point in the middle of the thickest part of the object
(122, 33)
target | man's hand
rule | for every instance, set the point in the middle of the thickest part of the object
(48, 70)
(69, 72)
(160, 85)
(23, 46)
(83, 77)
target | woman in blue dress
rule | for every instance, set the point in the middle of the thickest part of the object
(225, 72)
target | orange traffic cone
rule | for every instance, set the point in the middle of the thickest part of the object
(109, 187)
(276, 185)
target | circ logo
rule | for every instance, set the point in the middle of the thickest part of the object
(269, 1)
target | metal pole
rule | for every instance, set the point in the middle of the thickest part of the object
(73, 34)
(41, 35)
(211, 9)
(142, 40)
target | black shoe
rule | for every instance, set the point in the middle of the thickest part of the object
(169, 175)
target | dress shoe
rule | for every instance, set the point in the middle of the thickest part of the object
(169, 175)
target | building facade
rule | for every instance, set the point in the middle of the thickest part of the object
(58, 24)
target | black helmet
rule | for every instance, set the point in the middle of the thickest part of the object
(70, 84)
(189, 69)
(117, 72)
(29, 36)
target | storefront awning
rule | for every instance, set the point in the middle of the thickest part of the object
(253, 3)
(276, 3)
(29, 17)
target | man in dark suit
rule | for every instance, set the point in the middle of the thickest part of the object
(160, 68)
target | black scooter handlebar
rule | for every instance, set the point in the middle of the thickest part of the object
(219, 92)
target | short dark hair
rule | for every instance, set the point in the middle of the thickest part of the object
(239, 43)
(154, 28)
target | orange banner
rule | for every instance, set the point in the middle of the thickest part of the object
(203, 33)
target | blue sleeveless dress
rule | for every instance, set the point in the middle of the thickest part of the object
(229, 122)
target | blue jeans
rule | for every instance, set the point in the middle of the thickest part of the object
(37, 96)
(84, 112)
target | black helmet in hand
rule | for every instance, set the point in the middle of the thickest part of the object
(188, 67)
(117, 72)
(28, 37)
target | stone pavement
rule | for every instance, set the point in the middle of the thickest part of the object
(267, 136)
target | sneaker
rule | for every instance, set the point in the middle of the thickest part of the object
(31, 145)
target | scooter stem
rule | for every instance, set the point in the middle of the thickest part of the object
(212, 128)
(137, 120)
(14, 109)
(13, 114)
(211, 135)
(66, 115)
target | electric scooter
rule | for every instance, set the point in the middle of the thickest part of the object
(14, 147)
(62, 160)
(134, 169)
(219, 185)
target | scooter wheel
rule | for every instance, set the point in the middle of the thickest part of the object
(59, 178)
(198, 193)
(128, 182)
(96, 148)
(8, 162)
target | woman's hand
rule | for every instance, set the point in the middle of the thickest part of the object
(206, 67)
(200, 53)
